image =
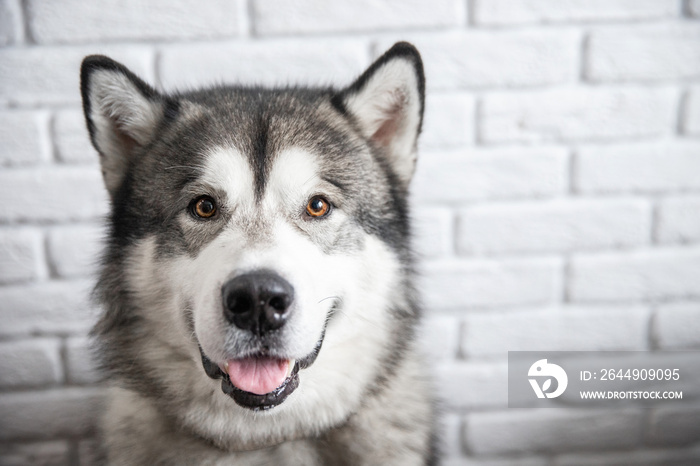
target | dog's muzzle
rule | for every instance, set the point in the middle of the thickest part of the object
(261, 402)
(259, 302)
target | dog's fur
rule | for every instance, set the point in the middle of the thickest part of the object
(260, 155)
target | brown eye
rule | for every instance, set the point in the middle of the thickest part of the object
(204, 207)
(318, 207)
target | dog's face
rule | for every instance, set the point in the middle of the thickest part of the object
(260, 234)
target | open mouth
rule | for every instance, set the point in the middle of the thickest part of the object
(259, 382)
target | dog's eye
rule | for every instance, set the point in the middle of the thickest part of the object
(203, 207)
(318, 207)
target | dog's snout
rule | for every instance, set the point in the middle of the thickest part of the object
(257, 301)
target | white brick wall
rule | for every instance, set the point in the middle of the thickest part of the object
(30, 363)
(552, 430)
(557, 196)
(72, 21)
(477, 174)
(508, 12)
(55, 453)
(691, 124)
(578, 114)
(641, 52)
(450, 284)
(674, 427)
(656, 274)
(23, 137)
(679, 220)
(663, 166)
(21, 255)
(569, 328)
(676, 326)
(283, 17)
(553, 226)
(11, 29)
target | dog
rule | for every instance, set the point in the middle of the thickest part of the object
(257, 283)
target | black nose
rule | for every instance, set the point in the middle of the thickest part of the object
(258, 301)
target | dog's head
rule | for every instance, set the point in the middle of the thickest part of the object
(258, 237)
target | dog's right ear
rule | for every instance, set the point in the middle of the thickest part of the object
(122, 113)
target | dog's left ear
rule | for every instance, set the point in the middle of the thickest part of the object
(387, 102)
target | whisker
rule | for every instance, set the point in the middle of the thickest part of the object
(188, 167)
(329, 297)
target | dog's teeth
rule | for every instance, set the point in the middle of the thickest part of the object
(290, 366)
(226, 367)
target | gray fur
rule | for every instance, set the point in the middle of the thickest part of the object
(163, 407)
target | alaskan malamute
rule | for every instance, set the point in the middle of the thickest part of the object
(257, 282)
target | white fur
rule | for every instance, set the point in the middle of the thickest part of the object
(228, 170)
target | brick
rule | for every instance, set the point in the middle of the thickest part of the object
(552, 430)
(23, 138)
(691, 125)
(52, 194)
(277, 62)
(670, 273)
(30, 363)
(648, 52)
(74, 251)
(489, 283)
(578, 114)
(678, 457)
(433, 231)
(694, 8)
(11, 26)
(37, 75)
(450, 435)
(553, 226)
(657, 167)
(90, 453)
(317, 16)
(491, 59)
(47, 307)
(674, 426)
(472, 385)
(438, 336)
(501, 12)
(21, 255)
(72, 139)
(570, 328)
(448, 121)
(496, 173)
(679, 220)
(519, 460)
(81, 366)
(48, 413)
(677, 326)
(53, 453)
(73, 21)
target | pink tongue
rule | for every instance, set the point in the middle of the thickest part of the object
(257, 375)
